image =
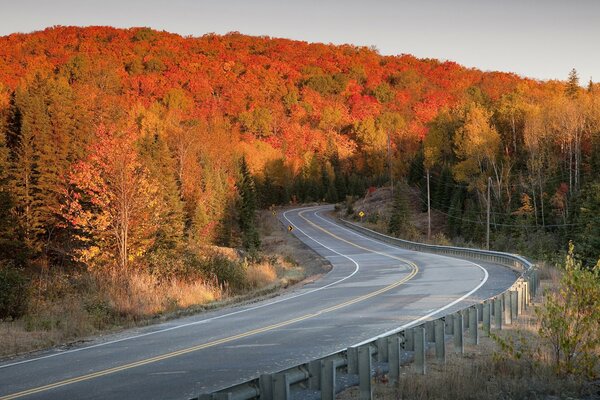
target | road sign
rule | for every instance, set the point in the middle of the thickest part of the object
(361, 214)
(290, 228)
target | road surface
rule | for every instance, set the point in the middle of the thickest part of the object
(372, 288)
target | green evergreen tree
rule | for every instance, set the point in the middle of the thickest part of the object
(10, 247)
(573, 88)
(589, 224)
(247, 209)
(399, 218)
(455, 211)
(48, 134)
(161, 166)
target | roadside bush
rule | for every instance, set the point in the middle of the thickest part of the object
(13, 293)
(229, 273)
(570, 319)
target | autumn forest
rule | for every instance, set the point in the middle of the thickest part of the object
(133, 152)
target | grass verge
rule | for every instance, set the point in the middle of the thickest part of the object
(65, 309)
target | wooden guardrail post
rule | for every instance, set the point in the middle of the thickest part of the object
(352, 357)
(394, 358)
(514, 304)
(458, 333)
(498, 314)
(328, 381)
(364, 372)
(420, 348)
(440, 340)
(429, 332)
(281, 386)
(479, 312)
(265, 386)
(314, 369)
(507, 308)
(487, 317)
(473, 331)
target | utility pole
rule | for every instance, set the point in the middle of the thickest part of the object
(389, 151)
(428, 208)
(488, 213)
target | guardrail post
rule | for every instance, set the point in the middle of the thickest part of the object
(328, 381)
(514, 304)
(479, 312)
(429, 332)
(533, 283)
(498, 312)
(473, 331)
(525, 294)
(465, 319)
(364, 372)
(314, 369)
(507, 308)
(487, 318)
(409, 339)
(448, 319)
(531, 288)
(394, 358)
(352, 357)
(281, 386)
(440, 340)
(521, 292)
(420, 348)
(458, 333)
(265, 386)
(382, 347)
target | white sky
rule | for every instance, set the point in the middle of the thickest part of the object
(541, 39)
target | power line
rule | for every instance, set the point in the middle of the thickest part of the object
(498, 224)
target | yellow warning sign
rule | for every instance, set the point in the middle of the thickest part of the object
(361, 214)
(290, 228)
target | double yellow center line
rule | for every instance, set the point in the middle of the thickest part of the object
(414, 271)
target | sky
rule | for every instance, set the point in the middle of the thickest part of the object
(541, 39)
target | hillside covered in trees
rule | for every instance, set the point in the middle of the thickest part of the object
(128, 148)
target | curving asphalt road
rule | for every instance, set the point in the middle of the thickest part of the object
(373, 288)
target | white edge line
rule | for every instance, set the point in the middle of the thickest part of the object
(424, 317)
(204, 321)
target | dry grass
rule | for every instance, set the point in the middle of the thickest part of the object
(261, 274)
(141, 294)
(64, 308)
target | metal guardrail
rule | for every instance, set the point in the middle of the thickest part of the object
(317, 378)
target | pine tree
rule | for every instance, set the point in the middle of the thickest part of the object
(247, 209)
(572, 89)
(161, 166)
(10, 247)
(47, 137)
(589, 224)
(455, 212)
(400, 214)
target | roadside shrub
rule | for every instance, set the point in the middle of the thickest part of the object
(13, 293)
(570, 319)
(229, 273)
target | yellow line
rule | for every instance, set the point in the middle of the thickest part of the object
(412, 264)
(140, 363)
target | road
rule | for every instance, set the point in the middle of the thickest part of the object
(372, 288)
